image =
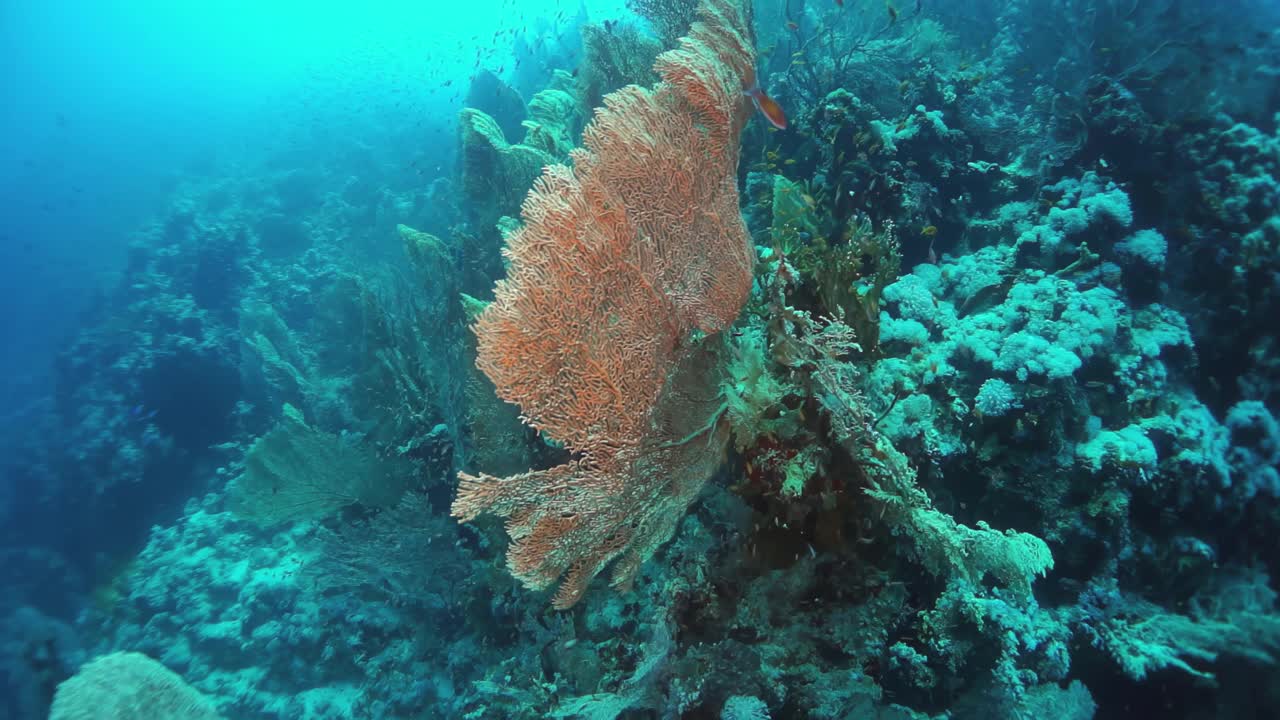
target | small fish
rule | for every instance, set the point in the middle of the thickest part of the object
(929, 231)
(767, 106)
(792, 26)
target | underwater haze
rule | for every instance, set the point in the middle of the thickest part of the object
(812, 359)
(112, 102)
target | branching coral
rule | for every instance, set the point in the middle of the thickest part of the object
(622, 262)
(495, 172)
(670, 18)
(614, 56)
(296, 472)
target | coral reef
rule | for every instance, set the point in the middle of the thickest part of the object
(958, 398)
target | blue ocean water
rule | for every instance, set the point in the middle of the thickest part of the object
(640, 359)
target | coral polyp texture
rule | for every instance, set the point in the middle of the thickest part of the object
(126, 684)
(620, 260)
(642, 360)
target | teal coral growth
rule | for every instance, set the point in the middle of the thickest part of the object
(641, 360)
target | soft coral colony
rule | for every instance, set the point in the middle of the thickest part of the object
(955, 398)
(1043, 373)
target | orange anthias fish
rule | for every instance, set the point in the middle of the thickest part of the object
(767, 106)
